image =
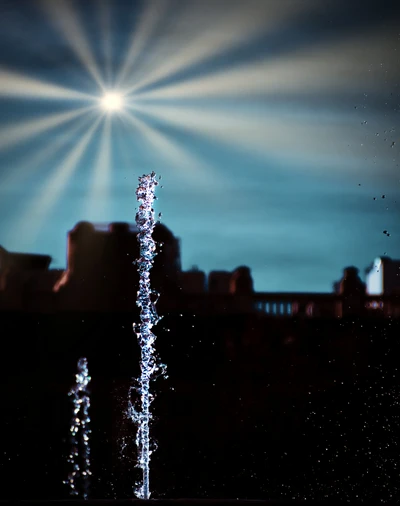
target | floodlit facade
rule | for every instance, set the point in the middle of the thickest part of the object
(383, 277)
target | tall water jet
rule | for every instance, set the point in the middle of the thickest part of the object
(79, 458)
(150, 366)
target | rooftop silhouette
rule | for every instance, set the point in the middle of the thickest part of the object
(101, 275)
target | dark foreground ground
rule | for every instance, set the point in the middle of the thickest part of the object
(186, 502)
(253, 408)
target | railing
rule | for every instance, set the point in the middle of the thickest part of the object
(288, 305)
(326, 305)
(291, 304)
(274, 305)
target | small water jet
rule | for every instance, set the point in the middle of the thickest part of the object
(79, 477)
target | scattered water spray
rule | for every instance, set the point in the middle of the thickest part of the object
(146, 300)
(79, 477)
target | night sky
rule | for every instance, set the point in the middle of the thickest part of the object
(273, 123)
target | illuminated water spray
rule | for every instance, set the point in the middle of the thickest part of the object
(79, 457)
(146, 300)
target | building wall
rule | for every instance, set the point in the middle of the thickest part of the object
(391, 280)
(219, 281)
(193, 281)
(101, 276)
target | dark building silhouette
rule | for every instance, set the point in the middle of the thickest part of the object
(219, 282)
(23, 261)
(101, 275)
(101, 271)
(193, 281)
(241, 281)
(351, 283)
(22, 277)
(352, 290)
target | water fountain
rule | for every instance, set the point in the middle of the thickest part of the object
(139, 412)
(150, 365)
(79, 458)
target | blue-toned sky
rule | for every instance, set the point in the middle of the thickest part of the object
(273, 123)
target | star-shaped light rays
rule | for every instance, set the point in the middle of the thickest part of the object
(224, 72)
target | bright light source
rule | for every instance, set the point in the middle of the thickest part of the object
(111, 102)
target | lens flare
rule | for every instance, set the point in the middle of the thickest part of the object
(112, 102)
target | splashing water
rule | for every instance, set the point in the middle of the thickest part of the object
(150, 366)
(80, 474)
